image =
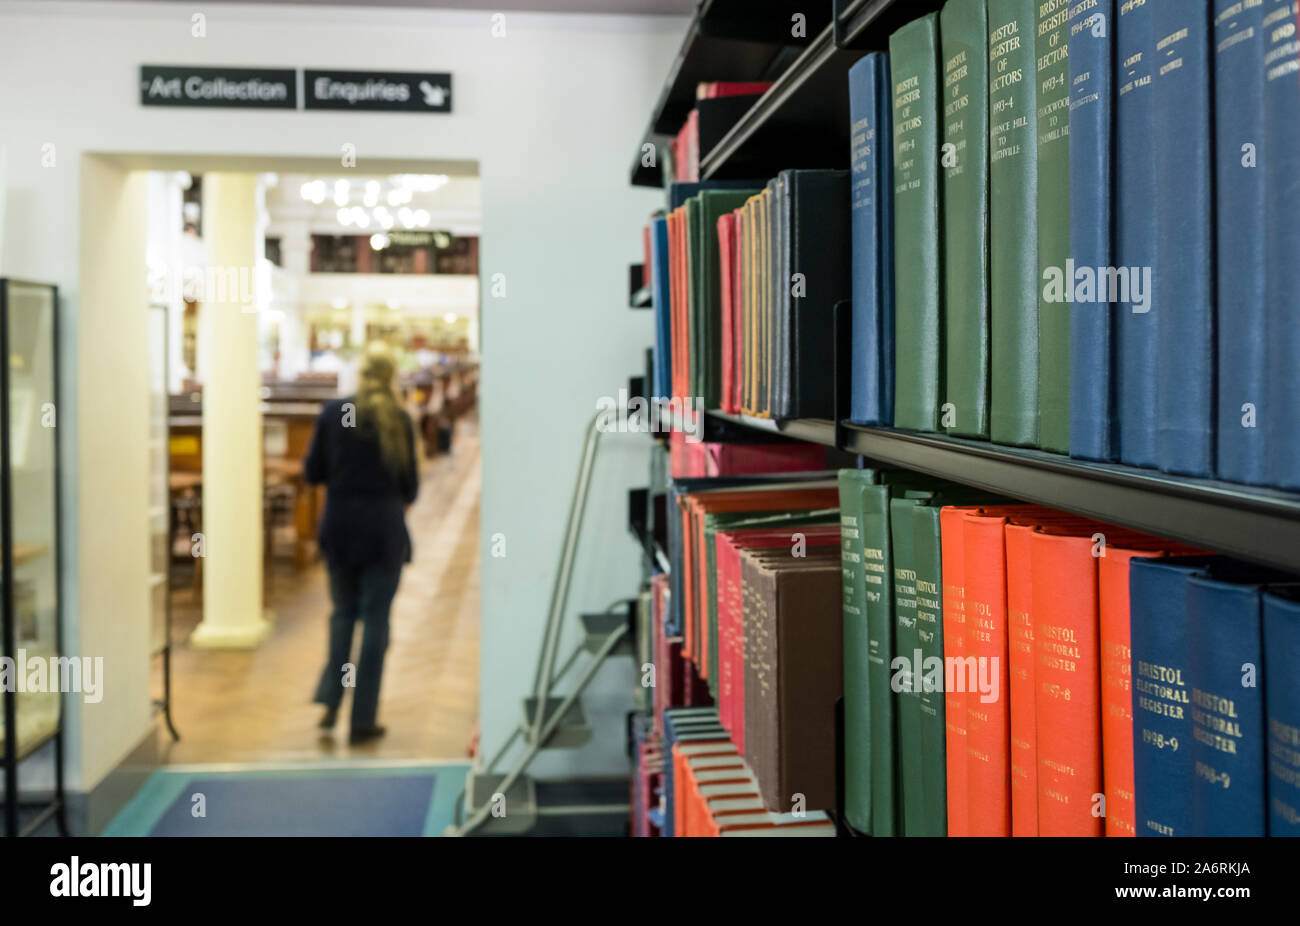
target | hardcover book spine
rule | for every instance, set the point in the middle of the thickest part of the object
(1013, 224)
(906, 649)
(1227, 714)
(1184, 279)
(988, 772)
(1282, 696)
(726, 273)
(1241, 238)
(1282, 163)
(1052, 67)
(857, 695)
(1162, 735)
(661, 280)
(951, 520)
(698, 297)
(914, 67)
(1021, 674)
(963, 28)
(1067, 670)
(1117, 689)
(928, 558)
(1092, 52)
(879, 583)
(782, 296)
(1135, 234)
(871, 391)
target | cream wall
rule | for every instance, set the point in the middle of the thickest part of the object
(551, 113)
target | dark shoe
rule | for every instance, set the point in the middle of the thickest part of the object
(357, 737)
(327, 721)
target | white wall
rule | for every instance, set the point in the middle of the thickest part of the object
(552, 112)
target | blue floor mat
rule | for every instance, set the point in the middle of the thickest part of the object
(379, 800)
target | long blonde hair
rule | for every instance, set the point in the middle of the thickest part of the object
(378, 408)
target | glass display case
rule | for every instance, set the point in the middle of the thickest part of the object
(29, 545)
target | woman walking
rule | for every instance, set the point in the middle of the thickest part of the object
(363, 451)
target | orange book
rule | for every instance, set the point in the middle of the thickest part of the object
(681, 757)
(951, 535)
(1067, 672)
(1024, 738)
(987, 719)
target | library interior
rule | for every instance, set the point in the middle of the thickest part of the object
(648, 418)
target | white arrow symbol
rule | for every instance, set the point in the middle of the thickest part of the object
(433, 96)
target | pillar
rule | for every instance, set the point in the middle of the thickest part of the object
(232, 419)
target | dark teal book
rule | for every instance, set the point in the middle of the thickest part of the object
(1280, 415)
(1282, 700)
(1135, 234)
(1096, 291)
(1226, 706)
(871, 186)
(1161, 666)
(1183, 143)
(1241, 202)
(907, 649)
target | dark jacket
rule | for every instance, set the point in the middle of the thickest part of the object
(364, 521)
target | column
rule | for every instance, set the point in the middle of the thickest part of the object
(232, 419)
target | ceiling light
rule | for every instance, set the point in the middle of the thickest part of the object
(422, 217)
(406, 217)
(345, 216)
(341, 192)
(371, 198)
(378, 241)
(361, 217)
(384, 217)
(339, 303)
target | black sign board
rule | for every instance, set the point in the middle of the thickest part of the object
(244, 88)
(377, 91)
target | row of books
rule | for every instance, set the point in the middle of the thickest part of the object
(1080, 237)
(684, 149)
(1004, 669)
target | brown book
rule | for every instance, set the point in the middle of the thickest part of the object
(793, 674)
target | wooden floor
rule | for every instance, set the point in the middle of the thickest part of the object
(256, 706)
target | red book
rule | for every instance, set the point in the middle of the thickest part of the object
(1067, 672)
(951, 536)
(750, 459)
(719, 88)
(726, 280)
(987, 719)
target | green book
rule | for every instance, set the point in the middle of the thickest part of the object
(857, 712)
(964, 159)
(927, 559)
(907, 647)
(702, 213)
(1052, 49)
(918, 287)
(1013, 224)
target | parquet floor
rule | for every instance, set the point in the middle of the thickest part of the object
(256, 706)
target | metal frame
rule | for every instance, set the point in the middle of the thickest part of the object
(540, 726)
(56, 807)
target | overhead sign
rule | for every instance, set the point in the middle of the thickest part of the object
(244, 88)
(377, 91)
(266, 88)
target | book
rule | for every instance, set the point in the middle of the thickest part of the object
(726, 230)
(1135, 233)
(1013, 224)
(1282, 699)
(918, 284)
(1022, 714)
(927, 559)
(1162, 736)
(857, 694)
(1052, 51)
(728, 459)
(1241, 237)
(957, 800)
(1092, 113)
(1182, 139)
(1067, 694)
(660, 287)
(1281, 146)
(1226, 694)
(871, 187)
(813, 241)
(906, 656)
(964, 46)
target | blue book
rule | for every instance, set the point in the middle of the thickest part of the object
(1226, 706)
(1280, 413)
(871, 187)
(1135, 233)
(1183, 144)
(1241, 201)
(1092, 87)
(1162, 735)
(660, 289)
(1282, 697)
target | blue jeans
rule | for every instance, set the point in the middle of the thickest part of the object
(363, 593)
